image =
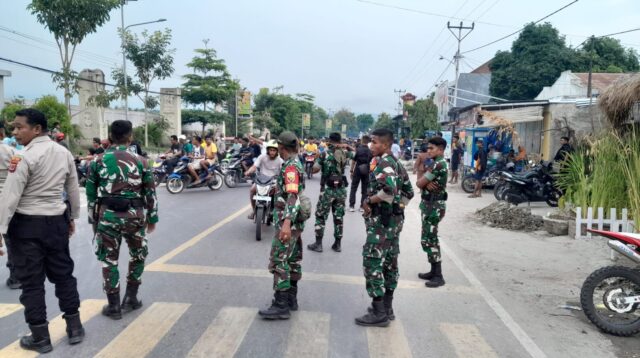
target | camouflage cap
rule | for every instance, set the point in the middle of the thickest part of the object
(288, 139)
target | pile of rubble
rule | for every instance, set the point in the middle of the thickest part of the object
(506, 216)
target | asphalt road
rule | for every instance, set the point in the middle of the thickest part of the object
(206, 278)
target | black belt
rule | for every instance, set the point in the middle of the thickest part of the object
(435, 197)
(36, 217)
(120, 204)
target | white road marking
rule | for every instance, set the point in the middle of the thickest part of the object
(225, 334)
(388, 342)
(467, 340)
(309, 335)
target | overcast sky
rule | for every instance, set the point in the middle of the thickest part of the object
(347, 53)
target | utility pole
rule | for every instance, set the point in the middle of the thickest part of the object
(457, 57)
(400, 93)
(589, 84)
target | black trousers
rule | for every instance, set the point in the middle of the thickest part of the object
(9, 260)
(363, 180)
(40, 248)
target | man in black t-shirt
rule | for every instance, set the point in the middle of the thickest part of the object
(481, 167)
(360, 172)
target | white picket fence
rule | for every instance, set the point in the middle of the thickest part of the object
(614, 224)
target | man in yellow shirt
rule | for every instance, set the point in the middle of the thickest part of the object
(210, 158)
(311, 146)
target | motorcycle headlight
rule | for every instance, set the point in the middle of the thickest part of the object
(263, 190)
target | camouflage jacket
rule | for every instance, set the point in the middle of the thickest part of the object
(289, 184)
(123, 174)
(332, 164)
(437, 173)
(405, 188)
(383, 180)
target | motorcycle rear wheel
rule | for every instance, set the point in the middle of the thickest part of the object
(468, 184)
(598, 308)
(553, 198)
(499, 189)
(215, 183)
(259, 218)
(175, 185)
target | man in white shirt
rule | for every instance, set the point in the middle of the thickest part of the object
(269, 164)
(395, 149)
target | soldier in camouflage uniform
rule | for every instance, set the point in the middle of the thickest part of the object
(286, 249)
(381, 220)
(333, 191)
(122, 201)
(433, 185)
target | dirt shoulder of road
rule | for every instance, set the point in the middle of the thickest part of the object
(532, 275)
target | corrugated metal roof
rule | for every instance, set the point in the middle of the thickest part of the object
(600, 81)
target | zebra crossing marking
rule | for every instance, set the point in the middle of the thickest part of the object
(144, 333)
(389, 342)
(7, 309)
(225, 334)
(57, 330)
(467, 340)
(309, 335)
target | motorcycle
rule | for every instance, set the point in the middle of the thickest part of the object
(234, 174)
(490, 179)
(180, 178)
(160, 171)
(538, 187)
(230, 157)
(502, 184)
(263, 199)
(309, 160)
(610, 296)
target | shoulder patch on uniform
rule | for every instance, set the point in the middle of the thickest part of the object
(13, 163)
(291, 179)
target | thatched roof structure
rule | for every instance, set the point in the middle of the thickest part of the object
(619, 99)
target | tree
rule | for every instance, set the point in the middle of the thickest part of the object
(606, 55)
(71, 21)
(55, 112)
(346, 117)
(423, 116)
(203, 117)
(152, 60)
(536, 60)
(210, 83)
(364, 122)
(384, 121)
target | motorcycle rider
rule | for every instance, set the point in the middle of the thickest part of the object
(246, 153)
(196, 156)
(268, 164)
(481, 167)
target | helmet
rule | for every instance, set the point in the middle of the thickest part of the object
(272, 144)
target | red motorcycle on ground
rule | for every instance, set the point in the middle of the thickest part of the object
(610, 296)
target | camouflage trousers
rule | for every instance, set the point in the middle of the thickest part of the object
(285, 260)
(107, 241)
(331, 200)
(380, 256)
(431, 216)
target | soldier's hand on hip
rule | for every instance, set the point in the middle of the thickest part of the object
(72, 228)
(151, 228)
(431, 186)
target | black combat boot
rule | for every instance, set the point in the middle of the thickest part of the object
(388, 305)
(336, 246)
(113, 309)
(279, 307)
(130, 301)
(437, 279)
(427, 275)
(39, 340)
(75, 331)
(293, 297)
(378, 317)
(317, 246)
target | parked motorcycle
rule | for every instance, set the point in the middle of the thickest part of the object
(309, 160)
(490, 179)
(610, 296)
(234, 174)
(538, 187)
(502, 184)
(181, 179)
(263, 199)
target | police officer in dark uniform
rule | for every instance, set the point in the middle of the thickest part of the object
(40, 224)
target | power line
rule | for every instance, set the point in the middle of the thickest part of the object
(609, 35)
(42, 69)
(515, 32)
(427, 13)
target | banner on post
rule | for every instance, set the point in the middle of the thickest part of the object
(244, 106)
(306, 120)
